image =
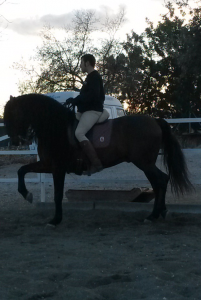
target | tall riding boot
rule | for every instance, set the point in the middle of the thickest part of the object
(96, 165)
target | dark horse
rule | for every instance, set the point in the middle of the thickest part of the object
(135, 139)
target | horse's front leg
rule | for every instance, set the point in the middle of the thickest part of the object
(58, 178)
(37, 167)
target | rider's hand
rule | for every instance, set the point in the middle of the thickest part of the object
(69, 101)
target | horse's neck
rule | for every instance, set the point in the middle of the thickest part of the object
(43, 120)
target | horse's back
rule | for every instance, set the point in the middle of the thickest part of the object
(136, 126)
(124, 129)
(136, 139)
(128, 138)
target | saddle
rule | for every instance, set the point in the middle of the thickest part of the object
(99, 135)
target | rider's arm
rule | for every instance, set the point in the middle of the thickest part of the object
(91, 92)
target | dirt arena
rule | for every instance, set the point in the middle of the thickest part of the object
(97, 254)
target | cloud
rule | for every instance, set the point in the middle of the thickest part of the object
(34, 25)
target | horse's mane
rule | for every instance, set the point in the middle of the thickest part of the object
(42, 113)
(45, 102)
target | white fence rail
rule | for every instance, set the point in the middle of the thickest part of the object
(42, 179)
(185, 120)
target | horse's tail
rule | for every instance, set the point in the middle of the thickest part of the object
(174, 160)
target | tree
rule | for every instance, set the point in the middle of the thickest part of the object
(170, 67)
(59, 60)
(164, 44)
(130, 71)
(157, 72)
(177, 46)
(190, 61)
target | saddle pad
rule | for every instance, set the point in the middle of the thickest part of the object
(100, 134)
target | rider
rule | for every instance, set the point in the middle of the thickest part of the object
(90, 107)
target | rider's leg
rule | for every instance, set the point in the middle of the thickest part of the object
(87, 120)
(96, 165)
(104, 116)
(78, 115)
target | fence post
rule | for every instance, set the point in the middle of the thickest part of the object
(42, 186)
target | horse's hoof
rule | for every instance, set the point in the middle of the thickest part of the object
(50, 226)
(54, 222)
(29, 197)
(147, 221)
(164, 214)
(150, 218)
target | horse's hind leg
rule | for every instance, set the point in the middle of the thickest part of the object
(58, 177)
(159, 181)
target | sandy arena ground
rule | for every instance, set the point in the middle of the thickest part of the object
(97, 254)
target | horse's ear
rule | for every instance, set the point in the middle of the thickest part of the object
(11, 97)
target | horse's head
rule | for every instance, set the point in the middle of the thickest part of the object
(15, 119)
(36, 115)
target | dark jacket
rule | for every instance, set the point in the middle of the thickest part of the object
(92, 94)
